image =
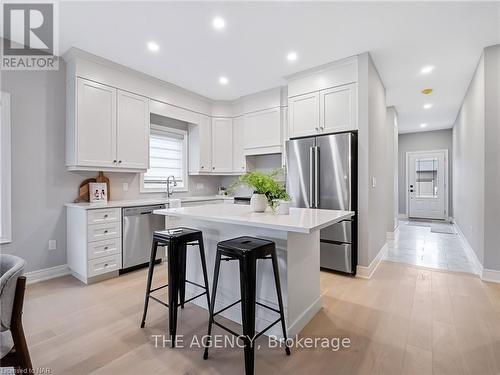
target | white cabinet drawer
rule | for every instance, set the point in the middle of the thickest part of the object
(103, 265)
(102, 248)
(104, 231)
(103, 216)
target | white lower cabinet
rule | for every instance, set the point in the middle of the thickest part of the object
(94, 243)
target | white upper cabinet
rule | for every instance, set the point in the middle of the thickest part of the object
(263, 132)
(338, 109)
(107, 129)
(132, 131)
(200, 146)
(239, 159)
(95, 129)
(222, 145)
(303, 115)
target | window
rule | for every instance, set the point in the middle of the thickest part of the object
(167, 157)
(5, 169)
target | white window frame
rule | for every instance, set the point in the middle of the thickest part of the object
(5, 169)
(184, 133)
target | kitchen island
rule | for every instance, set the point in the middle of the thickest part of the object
(297, 238)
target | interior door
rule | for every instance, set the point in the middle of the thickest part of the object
(427, 184)
(299, 177)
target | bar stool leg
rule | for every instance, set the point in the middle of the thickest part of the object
(280, 298)
(212, 303)
(182, 274)
(247, 287)
(204, 268)
(154, 247)
(173, 290)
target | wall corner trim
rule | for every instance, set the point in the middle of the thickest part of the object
(47, 274)
(367, 272)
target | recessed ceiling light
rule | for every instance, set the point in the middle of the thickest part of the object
(223, 80)
(154, 47)
(423, 125)
(219, 23)
(427, 91)
(292, 56)
(427, 69)
(428, 105)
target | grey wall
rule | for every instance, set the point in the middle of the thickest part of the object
(423, 141)
(468, 164)
(392, 142)
(41, 185)
(492, 158)
(374, 203)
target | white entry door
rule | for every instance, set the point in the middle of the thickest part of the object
(427, 177)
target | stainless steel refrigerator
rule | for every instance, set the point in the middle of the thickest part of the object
(322, 173)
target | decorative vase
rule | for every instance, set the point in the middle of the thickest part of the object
(258, 202)
(283, 207)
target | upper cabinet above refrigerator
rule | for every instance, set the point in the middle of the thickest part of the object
(323, 101)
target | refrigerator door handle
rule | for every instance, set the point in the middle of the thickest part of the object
(316, 177)
(311, 178)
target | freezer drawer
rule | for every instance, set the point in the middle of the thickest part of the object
(336, 256)
(340, 232)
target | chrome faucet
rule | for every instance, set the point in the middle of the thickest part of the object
(170, 182)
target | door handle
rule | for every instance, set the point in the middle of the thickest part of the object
(316, 178)
(311, 171)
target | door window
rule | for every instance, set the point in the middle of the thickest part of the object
(426, 177)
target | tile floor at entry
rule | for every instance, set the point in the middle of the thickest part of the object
(404, 320)
(415, 244)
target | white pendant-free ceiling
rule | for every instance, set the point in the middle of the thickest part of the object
(251, 49)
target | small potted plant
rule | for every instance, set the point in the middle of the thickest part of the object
(266, 190)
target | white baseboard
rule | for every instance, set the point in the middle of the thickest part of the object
(490, 275)
(47, 274)
(367, 272)
(390, 236)
(471, 254)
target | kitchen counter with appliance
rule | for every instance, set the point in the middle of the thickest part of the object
(297, 238)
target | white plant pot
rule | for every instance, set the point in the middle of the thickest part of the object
(258, 202)
(283, 207)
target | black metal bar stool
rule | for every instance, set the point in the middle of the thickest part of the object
(176, 241)
(247, 250)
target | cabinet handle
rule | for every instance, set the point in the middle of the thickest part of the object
(119, 161)
(242, 167)
(105, 231)
(114, 161)
(202, 167)
(105, 216)
(105, 248)
(213, 167)
(106, 264)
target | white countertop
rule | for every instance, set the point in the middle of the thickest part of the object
(300, 220)
(145, 202)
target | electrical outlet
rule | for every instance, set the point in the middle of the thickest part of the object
(199, 186)
(52, 244)
(125, 186)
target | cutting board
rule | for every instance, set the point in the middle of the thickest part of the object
(83, 191)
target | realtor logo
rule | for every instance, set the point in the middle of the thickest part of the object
(29, 37)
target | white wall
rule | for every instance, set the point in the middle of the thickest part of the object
(423, 141)
(468, 164)
(392, 165)
(41, 185)
(374, 203)
(492, 158)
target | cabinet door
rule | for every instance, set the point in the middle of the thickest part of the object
(222, 145)
(239, 159)
(96, 124)
(304, 115)
(132, 131)
(338, 109)
(263, 129)
(205, 144)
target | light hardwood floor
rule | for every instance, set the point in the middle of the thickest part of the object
(405, 320)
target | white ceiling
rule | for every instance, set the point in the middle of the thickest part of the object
(251, 51)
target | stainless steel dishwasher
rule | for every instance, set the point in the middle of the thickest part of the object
(139, 223)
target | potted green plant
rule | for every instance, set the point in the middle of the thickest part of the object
(266, 190)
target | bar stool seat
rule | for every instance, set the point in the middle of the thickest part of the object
(247, 250)
(176, 240)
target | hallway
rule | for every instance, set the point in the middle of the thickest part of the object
(418, 243)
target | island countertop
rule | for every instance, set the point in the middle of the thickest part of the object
(300, 220)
